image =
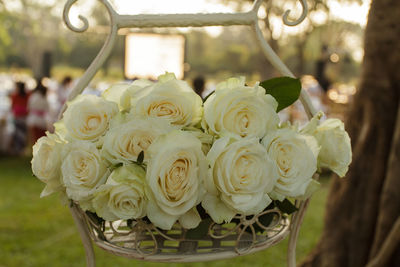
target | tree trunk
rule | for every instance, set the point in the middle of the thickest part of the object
(363, 207)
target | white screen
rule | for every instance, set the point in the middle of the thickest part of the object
(150, 55)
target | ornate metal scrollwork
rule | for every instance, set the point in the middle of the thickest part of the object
(303, 15)
(241, 236)
(67, 20)
(84, 20)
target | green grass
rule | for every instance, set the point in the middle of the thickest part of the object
(40, 232)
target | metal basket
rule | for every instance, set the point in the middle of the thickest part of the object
(140, 239)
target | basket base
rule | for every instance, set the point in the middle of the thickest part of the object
(145, 242)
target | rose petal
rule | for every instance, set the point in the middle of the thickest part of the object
(48, 190)
(114, 92)
(190, 219)
(217, 209)
(159, 218)
(312, 187)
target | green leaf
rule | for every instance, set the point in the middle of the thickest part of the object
(285, 90)
(200, 231)
(140, 157)
(286, 206)
(202, 212)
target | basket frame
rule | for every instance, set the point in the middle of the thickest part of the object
(108, 236)
(117, 22)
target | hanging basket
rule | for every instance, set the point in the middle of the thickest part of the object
(139, 239)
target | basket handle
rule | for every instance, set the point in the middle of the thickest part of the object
(118, 21)
(77, 215)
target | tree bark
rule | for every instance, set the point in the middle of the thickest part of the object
(363, 207)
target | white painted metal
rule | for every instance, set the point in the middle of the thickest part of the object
(249, 18)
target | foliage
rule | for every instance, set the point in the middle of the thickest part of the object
(36, 27)
(285, 90)
(234, 51)
(301, 50)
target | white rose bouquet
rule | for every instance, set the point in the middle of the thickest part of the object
(154, 151)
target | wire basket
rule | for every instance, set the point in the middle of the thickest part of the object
(139, 239)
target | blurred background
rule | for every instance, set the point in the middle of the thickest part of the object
(41, 60)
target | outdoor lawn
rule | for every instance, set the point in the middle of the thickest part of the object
(40, 232)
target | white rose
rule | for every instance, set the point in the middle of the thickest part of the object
(115, 91)
(122, 93)
(241, 175)
(123, 195)
(87, 117)
(335, 145)
(83, 170)
(295, 155)
(334, 141)
(239, 109)
(169, 99)
(124, 142)
(60, 130)
(129, 95)
(175, 175)
(46, 162)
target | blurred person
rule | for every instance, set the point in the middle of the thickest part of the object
(38, 108)
(63, 91)
(199, 85)
(19, 110)
(321, 66)
(4, 137)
